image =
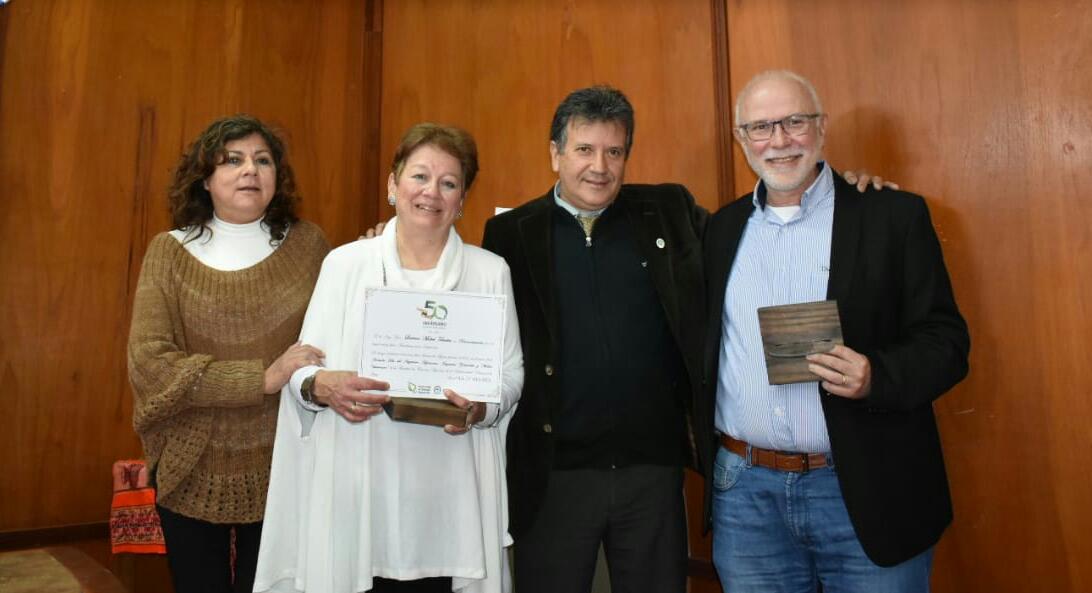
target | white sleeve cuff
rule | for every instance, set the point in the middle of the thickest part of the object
(492, 415)
(296, 382)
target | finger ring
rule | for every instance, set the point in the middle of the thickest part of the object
(355, 404)
(844, 379)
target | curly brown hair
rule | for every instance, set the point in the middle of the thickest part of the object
(191, 204)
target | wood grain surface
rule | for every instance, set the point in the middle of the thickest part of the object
(98, 98)
(984, 108)
(500, 69)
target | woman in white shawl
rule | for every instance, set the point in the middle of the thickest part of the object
(358, 502)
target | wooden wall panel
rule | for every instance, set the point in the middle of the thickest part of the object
(98, 99)
(981, 107)
(984, 109)
(500, 69)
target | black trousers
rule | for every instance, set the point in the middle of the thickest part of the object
(199, 554)
(638, 515)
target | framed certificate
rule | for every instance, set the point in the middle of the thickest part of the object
(422, 342)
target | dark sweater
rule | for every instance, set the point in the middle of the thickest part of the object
(620, 371)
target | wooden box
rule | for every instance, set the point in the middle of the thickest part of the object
(435, 412)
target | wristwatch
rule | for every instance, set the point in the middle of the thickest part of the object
(307, 391)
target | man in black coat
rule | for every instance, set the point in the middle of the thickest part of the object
(609, 293)
(839, 481)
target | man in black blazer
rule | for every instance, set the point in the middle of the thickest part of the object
(608, 289)
(841, 481)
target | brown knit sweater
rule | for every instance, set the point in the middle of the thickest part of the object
(199, 345)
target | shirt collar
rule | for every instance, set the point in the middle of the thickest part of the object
(819, 192)
(570, 208)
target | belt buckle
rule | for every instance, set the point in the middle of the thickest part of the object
(805, 460)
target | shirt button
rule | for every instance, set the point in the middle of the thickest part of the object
(779, 411)
(549, 371)
(546, 428)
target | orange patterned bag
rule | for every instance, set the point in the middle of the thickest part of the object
(134, 523)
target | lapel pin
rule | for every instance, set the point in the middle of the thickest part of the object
(660, 243)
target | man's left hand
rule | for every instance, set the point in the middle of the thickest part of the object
(377, 230)
(845, 372)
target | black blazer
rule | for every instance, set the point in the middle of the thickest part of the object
(895, 300)
(523, 237)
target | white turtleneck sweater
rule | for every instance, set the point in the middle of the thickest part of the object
(231, 246)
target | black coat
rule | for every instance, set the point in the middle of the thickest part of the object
(523, 237)
(896, 305)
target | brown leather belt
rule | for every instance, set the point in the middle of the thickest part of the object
(785, 462)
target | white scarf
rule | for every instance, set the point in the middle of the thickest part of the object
(449, 269)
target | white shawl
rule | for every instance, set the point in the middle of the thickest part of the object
(348, 502)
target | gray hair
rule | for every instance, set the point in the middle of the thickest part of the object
(595, 104)
(775, 74)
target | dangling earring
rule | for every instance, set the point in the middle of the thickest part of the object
(459, 214)
(391, 199)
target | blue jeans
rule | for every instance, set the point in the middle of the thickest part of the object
(783, 532)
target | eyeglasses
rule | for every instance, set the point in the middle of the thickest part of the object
(796, 124)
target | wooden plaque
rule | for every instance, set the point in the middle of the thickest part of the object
(791, 332)
(435, 412)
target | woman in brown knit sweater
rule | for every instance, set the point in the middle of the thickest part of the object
(217, 312)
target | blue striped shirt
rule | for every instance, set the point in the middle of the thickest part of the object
(778, 263)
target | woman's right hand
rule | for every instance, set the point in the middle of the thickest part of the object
(344, 393)
(298, 355)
